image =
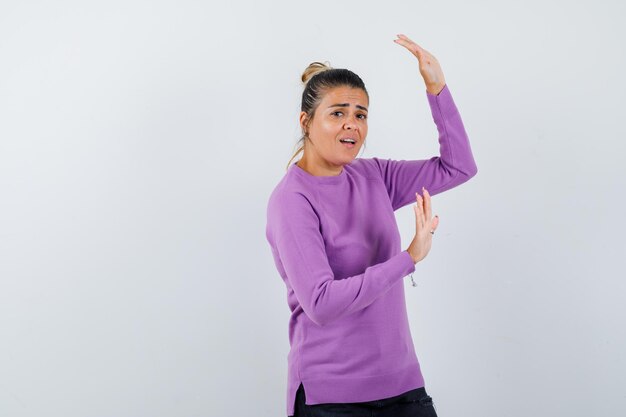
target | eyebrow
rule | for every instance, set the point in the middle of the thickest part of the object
(347, 105)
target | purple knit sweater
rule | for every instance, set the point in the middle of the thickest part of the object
(336, 246)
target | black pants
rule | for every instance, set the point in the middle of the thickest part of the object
(414, 403)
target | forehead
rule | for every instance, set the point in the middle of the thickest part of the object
(345, 95)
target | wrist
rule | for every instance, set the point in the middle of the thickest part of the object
(435, 89)
(412, 257)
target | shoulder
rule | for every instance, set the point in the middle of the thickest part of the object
(290, 197)
(290, 209)
(369, 167)
(285, 198)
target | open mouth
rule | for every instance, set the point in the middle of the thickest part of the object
(348, 142)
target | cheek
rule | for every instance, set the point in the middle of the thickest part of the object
(329, 130)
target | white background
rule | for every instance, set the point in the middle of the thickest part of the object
(139, 142)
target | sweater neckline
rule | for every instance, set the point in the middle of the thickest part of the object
(318, 179)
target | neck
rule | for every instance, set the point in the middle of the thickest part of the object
(319, 169)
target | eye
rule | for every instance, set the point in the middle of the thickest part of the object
(360, 115)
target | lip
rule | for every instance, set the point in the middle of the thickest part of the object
(356, 140)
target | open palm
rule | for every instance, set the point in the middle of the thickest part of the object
(428, 65)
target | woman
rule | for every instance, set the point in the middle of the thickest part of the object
(334, 238)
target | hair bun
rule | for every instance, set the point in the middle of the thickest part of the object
(313, 69)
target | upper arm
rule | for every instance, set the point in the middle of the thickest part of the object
(296, 235)
(403, 178)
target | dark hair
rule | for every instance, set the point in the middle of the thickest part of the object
(318, 78)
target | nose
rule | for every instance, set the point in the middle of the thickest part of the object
(350, 124)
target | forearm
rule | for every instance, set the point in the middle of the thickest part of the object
(455, 152)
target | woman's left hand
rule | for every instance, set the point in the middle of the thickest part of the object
(428, 64)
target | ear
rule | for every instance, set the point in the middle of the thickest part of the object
(303, 120)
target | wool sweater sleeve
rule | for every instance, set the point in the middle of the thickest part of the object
(296, 236)
(454, 166)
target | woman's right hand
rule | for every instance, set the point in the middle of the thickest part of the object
(424, 224)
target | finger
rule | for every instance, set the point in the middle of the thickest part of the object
(406, 38)
(417, 49)
(412, 43)
(418, 222)
(435, 223)
(418, 219)
(427, 204)
(412, 47)
(420, 202)
(420, 211)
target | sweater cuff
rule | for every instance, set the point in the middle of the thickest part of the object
(442, 103)
(402, 266)
(409, 264)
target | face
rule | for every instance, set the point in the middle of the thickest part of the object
(341, 114)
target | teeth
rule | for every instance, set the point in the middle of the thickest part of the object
(347, 140)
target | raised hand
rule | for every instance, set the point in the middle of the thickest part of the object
(428, 65)
(425, 226)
